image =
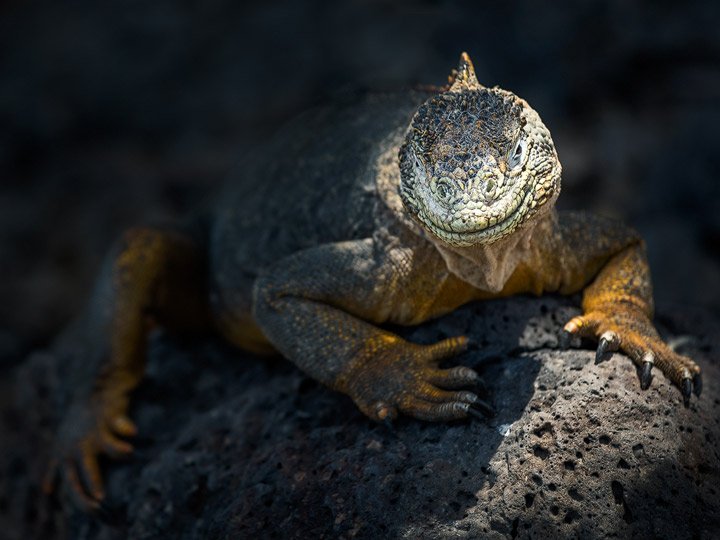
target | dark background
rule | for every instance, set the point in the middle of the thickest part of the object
(113, 113)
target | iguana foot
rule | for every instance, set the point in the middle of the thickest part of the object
(91, 428)
(626, 328)
(394, 375)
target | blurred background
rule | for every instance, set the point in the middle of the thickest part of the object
(114, 113)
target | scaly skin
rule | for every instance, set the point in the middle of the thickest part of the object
(353, 220)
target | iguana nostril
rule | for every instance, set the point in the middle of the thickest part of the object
(443, 188)
(490, 185)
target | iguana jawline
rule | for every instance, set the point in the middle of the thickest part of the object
(520, 206)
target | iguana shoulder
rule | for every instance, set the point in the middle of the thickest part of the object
(313, 183)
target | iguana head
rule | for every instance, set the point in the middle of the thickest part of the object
(477, 163)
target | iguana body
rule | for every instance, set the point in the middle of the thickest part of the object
(397, 208)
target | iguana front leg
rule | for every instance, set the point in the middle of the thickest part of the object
(151, 277)
(319, 308)
(617, 301)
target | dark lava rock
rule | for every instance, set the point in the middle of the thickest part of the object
(233, 446)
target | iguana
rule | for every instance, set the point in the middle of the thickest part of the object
(393, 208)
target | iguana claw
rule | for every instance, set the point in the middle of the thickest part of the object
(646, 374)
(609, 342)
(483, 407)
(687, 387)
(697, 384)
(564, 339)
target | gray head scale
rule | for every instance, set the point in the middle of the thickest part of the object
(477, 163)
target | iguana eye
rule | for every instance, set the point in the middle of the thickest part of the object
(517, 154)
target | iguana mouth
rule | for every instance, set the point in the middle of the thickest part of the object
(496, 227)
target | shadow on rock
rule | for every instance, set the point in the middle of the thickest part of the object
(232, 445)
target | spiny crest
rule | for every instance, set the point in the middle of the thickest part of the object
(463, 78)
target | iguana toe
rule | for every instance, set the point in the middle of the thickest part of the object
(76, 488)
(113, 446)
(434, 412)
(456, 377)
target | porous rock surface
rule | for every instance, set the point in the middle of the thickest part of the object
(233, 446)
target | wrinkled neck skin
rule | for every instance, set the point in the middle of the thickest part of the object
(488, 266)
(484, 266)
